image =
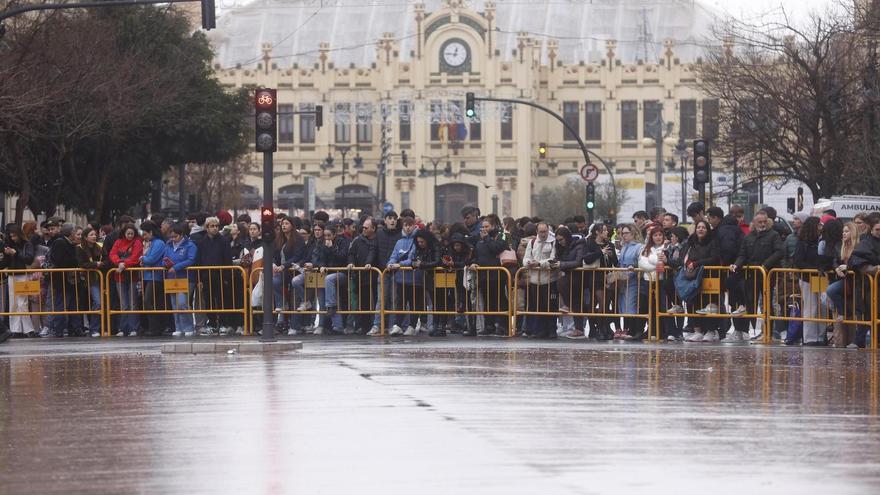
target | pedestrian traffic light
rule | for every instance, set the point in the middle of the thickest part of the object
(267, 223)
(591, 196)
(542, 150)
(469, 105)
(319, 116)
(209, 18)
(702, 163)
(266, 113)
(404, 159)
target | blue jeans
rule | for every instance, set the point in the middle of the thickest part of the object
(835, 294)
(330, 287)
(128, 302)
(63, 297)
(96, 303)
(387, 290)
(183, 322)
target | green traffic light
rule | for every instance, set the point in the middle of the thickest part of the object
(470, 112)
(590, 205)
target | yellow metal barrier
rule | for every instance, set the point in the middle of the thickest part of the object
(483, 291)
(217, 290)
(53, 292)
(614, 293)
(875, 303)
(805, 289)
(367, 282)
(749, 289)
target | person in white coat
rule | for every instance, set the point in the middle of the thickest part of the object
(541, 291)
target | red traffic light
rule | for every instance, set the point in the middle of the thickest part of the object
(265, 98)
(267, 214)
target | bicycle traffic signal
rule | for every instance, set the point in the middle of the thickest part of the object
(267, 223)
(702, 163)
(266, 114)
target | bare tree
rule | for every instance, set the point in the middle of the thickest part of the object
(557, 203)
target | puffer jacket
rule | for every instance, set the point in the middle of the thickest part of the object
(648, 263)
(402, 251)
(23, 257)
(573, 257)
(729, 237)
(761, 248)
(542, 252)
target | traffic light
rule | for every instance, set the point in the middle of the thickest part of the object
(591, 196)
(319, 116)
(469, 105)
(800, 199)
(267, 223)
(209, 18)
(404, 159)
(702, 163)
(266, 113)
(542, 150)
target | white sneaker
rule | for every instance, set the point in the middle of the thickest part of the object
(410, 331)
(710, 309)
(177, 334)
(318, 331)
(676, 309)
(686, 335)
(671, 338)
(852, 346)
(711, 336)
(734, 337)
(189, 334)
(305, 306)
(396, 330)
(292, 332)
(239, 331)
(740, 310)
(373, 331)
(225, 330)
(120, 333)
(206, 331)
(133, 333)
(695, 337)
(96, 334)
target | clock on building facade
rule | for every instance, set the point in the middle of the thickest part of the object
(455, 57)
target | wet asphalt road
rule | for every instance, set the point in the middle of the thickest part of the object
(452, 416)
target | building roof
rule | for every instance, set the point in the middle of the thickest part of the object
(352, 27)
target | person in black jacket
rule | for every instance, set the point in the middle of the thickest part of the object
(729, 236)
(701, 251)
(455, 258)
(491, 284)
(17, 254)
(806, 257)
(599, 253)
(214, 250)
(62, 285)
(570, 252)
(386, 237)
(334, 254)
(424, 259)
(865, 260)
(363, 253)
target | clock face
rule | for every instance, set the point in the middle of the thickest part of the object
(455, 54)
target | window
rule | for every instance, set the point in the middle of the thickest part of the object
(436, 119)
(629, 120)
(364, 120)
(456, 131)
(687, 126)
(307, 124)
(405, 113)
(285, 123)
(572, 116)
(594, 121)
(342, 122)
(710, 119)
(506, 121)
(651, 114)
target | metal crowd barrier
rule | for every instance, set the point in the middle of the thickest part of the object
(875, 340)
(52, 292)
(483, 291)
(210, 290)
(608, 288)
(859, 299)
(724, 289)
(366, 282)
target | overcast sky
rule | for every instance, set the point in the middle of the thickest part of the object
(796, 8)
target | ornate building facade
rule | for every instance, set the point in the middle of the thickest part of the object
(392, 81)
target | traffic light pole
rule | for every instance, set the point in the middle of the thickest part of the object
(573, 132)
(207, 8)
(268, 257)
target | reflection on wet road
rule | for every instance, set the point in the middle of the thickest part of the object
(451, 416)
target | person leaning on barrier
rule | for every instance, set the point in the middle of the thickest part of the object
(865, 260)
(570, 252)
(334, 254)
(126, 253)
(491, 284)
(401, 252)
(387, 235)
(761, 247)
(806, 257)
(701, 251)
(652, 262)
(17, 254)
(627, 288)
(62, 285)
(153, 278)
(304, 299)
(362, 253)
(541, 291)
(840, 284)
(180, 254)
(424, 259)
(456, 257)
(90, 256)
(213, 250)
(599, 252)
(290, 251)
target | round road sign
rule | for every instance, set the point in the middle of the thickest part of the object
(589, 172)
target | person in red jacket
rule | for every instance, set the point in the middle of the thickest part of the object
(126, 253)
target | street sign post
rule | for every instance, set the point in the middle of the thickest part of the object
(589, 172)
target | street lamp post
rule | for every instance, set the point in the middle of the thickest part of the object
(424, 173)
(681, 150)
(658, 132)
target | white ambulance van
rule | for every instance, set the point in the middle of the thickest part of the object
(847, 206)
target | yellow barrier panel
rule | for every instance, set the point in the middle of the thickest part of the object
(875, 303)
(614, 293)
(356, 291)
(721, 293)
(54, 292)
(218, 291)
(803, 290)
(482, 291)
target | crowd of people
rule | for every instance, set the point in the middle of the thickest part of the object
(578, 281)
